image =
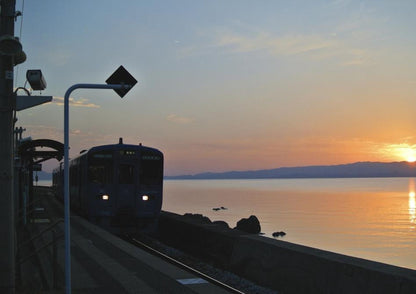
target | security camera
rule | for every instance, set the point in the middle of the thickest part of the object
(36, 80)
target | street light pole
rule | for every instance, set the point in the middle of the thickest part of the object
(66, 171)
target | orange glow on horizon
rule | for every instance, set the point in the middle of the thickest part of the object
(400, 151)
(408, 153)
(411, 158)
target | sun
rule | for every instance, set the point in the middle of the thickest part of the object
(409, 154)
(404, 151)
(411, 158)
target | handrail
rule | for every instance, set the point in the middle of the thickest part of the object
(41, 233)
(28, 212)
(54, 250)
(20, 261)
(21, 210)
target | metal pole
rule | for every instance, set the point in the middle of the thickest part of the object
(66, 173)
(54, 260)
(7, 221)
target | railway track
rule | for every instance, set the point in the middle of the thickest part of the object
(145, 246)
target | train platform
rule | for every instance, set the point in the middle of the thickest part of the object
(100, 261)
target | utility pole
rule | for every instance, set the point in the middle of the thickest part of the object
(10, 48)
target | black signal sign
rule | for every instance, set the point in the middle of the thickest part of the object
(122, 77)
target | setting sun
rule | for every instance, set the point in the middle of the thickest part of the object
(409, 154)
(411, 158)
(402, 151)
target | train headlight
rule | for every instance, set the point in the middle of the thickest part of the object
(105, 197)
(145, 197)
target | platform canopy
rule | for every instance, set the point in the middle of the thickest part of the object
(33, 150)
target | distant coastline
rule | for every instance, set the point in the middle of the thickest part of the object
(352, 170)
(43, 176)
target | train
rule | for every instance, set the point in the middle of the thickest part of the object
(117, 186)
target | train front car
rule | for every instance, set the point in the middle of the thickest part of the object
(124, 187)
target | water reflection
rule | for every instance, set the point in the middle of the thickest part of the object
(412, 202)
(367, 218)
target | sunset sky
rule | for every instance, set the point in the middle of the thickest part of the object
(228, 85)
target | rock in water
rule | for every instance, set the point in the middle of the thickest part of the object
(249, 225)
(279, 234)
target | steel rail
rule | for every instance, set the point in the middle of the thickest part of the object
(182, 265)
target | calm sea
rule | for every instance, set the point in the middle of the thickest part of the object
(371, 218)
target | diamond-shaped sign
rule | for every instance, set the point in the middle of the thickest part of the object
(122, 77)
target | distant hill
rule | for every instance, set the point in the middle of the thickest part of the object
(353, 170)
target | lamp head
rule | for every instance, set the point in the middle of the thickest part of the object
(36, 79)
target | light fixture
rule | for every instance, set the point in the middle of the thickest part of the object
(145, 197)
(36, 79)
(105, 197)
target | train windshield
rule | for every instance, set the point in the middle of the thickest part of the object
(100, 168)
(126, 174)
(151, 171)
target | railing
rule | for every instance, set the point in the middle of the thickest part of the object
(27, 210)
(54, 241)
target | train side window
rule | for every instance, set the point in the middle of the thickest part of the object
(100, 167)
(126, 174)
(98, 174)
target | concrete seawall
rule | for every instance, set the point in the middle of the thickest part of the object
(284, 266)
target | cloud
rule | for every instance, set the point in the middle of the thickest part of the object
(357, 57)
(179, 119)
(75, 132)
(58, 56)
(286, 45)
(82, 102)
(43, 131)
(342, 52)
(53, 133)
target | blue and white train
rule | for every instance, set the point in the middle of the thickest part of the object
(117, 186)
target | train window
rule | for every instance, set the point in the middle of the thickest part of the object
(151, 171)
(126, 174)
(102, 155)
(99, 174)
(100, 167)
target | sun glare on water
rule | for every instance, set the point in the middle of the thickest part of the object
(412, 202)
